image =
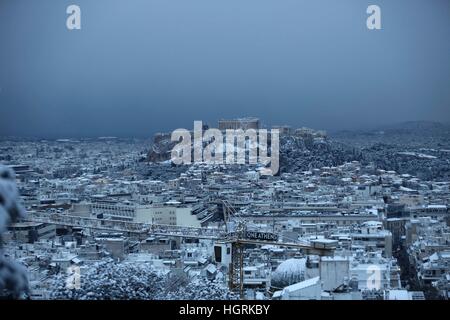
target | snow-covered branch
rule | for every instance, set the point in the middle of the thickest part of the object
(13, 277)
(110, 280)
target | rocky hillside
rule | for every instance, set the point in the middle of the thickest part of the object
(161, 148)
(418, 148)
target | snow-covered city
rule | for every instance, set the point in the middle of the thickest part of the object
(111, 218)
(207, 159)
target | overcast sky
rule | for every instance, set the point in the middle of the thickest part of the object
(141, 66)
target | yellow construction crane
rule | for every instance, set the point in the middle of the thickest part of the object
(234, 244)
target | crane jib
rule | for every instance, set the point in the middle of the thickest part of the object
(253, 235)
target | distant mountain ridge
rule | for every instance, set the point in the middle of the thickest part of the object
(409, 127)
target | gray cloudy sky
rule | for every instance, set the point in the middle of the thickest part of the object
(141, 66)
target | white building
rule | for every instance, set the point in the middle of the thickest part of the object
(334, 272)
(310, 289)
(170, 213)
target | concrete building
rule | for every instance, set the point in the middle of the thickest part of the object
(30, 232)
(171, 213)
(306, 290)
(334, 272)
